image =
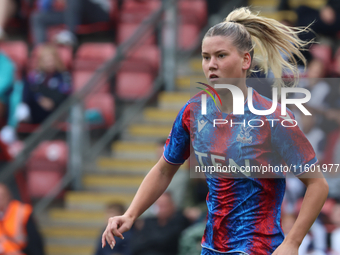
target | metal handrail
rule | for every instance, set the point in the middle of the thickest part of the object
(111, 67)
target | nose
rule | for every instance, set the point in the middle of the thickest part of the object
(212, 64)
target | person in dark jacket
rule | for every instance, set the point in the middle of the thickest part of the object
(46, 88)
(159, 235)
(122, 247)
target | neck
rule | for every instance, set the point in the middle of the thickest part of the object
(227, 99)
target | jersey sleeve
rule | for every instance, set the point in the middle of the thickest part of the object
(292, 145)
(177, 146)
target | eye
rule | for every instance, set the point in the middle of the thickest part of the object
(206, 57)
(221, 55)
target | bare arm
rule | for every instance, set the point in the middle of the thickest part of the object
(315, 197)
(152, 187)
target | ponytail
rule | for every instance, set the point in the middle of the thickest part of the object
(270, 37)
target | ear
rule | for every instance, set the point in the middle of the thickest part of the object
(246, 61)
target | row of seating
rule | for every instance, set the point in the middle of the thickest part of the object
(192, 17)
(133, 81)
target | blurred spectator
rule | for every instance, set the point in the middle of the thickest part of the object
(7, 74)
(316, 84)
(160, 235)
(295, 190)
(7, 10)
(76, 12)
(335, 235)
(122, 246)
(315, 135)
(315, 242)
(319, 88)
(332, 156)
(19, 234)
(46, 87)
(179, 184)
(191, 238)
(326, 21)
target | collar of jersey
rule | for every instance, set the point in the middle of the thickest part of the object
(214, 111)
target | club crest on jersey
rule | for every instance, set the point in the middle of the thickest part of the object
(244, 136)
(201, 124)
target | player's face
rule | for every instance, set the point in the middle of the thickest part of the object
(221, 59)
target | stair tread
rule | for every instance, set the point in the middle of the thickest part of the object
(133, 146)
(125, 181)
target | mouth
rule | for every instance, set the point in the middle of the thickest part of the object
(213, 76)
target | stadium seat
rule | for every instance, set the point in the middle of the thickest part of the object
(193, 12)
(133, 11)
(46, 167)
(135, 77)
(64, 52)
(103, 103)
(90, 56)
(25, 128)
(18, 52)
(187, 36)
(133, 85)
(126, 30)
(146, 54)
(80, 78)
(132, 15)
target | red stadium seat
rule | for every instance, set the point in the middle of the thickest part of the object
(104, 103)
(26, 128)
(90, 56)
(18, 52)
(132, 14)
(133, 85)
(46, 167)
(146, 54)
(126, 30)
(193, 12)
(187, 36)
(137, 72)
(136, 11)
(80, 78)
(65, 53)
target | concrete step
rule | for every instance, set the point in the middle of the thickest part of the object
(73, 241)
(316, 4)
(288, 15)
(87, 200)
(75, 216)
(173, 100)
(71, 233)
(149, 130)
(102, 182)
(134, 150)
(184, 82)
(57, 249)
(124, 165)
(160, 115)
(264, 3)
(196, 65)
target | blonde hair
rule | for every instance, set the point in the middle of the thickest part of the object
(271, 38)
(50, 49)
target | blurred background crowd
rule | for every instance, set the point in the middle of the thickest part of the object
(89, 90)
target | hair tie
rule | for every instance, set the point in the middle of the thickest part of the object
(232, 21)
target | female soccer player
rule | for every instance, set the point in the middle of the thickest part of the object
(243, 213)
